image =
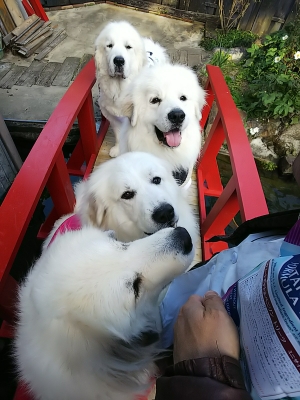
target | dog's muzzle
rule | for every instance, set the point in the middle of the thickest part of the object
(164, 216)
(172, 138)
(119, 63)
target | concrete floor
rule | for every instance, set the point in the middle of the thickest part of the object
(83, 26)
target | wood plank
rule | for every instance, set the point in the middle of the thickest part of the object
(66, 73)
(25, 25)
(48, 74)
(14, 11)
(184, 4)
(4, 68)
(263, 19)
(51, 46)
(171, 3)
(248, 19)
(37, 42)
(45, 27)
(31, 75)
(3, 30)
(56, 33)
(28, 32)
(8, 38)
(12, 76)
(32, 46)
(195, 5)
(292, 14)
(6, 18)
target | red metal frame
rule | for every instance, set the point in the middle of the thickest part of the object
(244, 191)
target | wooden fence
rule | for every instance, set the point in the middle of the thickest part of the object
(261, 17)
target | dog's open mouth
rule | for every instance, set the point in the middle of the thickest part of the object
(171, 138)
(173, 225)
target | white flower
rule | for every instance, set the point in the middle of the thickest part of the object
(284, 37)
(297, 55)
(276, 59)
(253, 131)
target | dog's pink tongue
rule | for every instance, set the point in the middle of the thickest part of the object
(173, 138)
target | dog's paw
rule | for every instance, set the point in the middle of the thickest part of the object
(114, 151)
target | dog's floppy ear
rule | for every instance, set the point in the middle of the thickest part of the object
(95, 211)
(100, 60)
(134, 116)
(200, 103)
(126, 104)
(91, 211)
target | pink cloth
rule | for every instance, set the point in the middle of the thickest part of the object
(70, 224)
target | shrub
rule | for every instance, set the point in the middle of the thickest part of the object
(272, 77)
(220, 59)
(232, 38)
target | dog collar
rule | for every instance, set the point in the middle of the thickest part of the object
(72, 223)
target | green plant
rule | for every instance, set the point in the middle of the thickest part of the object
(233, 38)
(220, 58)
(266, 165)
(271, 74)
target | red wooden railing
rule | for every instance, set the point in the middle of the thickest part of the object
(35, 7)
(244, 191)
(45, 167)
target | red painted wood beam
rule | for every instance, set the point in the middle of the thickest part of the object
(249, 191)
(23, 196)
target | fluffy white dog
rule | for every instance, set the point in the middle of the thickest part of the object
(135, 195)
(89, 322)
(120, 54)
(165, 104)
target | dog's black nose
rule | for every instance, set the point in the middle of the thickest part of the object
(164, 214)
(119, 61)
(176, 116)
(183, 240)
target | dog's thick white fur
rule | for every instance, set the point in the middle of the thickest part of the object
(165, 103)
(135, 195)
(89, 322)
(120, 54)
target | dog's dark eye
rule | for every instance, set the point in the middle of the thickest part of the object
(155, 100)
(128, 195)
(183, 98)
(109, 45)
(156, 180)
(128, 47)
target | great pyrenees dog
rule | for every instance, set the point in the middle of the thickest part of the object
(135, 195)
(164, 104)
(89, 322)
(120, 54)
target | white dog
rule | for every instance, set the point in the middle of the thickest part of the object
(89, 322)
(135, 195)
(120, 54)
(165, 104)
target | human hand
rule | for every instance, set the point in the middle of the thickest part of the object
(204, 329)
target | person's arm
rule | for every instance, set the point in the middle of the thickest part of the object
(206, 352)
